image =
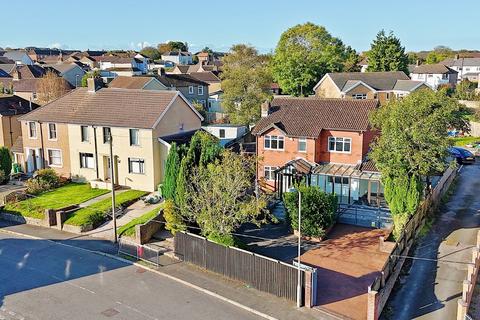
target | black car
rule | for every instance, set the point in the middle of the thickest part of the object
(461, 155)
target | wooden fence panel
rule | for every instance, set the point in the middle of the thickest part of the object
(262, 273)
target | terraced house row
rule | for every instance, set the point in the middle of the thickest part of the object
(71, 134)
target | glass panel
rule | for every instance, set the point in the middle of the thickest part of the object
(274, 143)
(266, 142)
(280, 142)
(331, 144)
(346, 146)
(339, 144)
(329, 187)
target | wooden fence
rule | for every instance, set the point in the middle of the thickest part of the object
(380, 289)
(260, 272)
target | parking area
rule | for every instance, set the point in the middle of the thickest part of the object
(347, 262)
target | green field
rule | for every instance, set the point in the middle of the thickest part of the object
(67, 195)
(129, 228)
(97, 212)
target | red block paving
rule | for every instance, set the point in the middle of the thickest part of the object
(347, 263)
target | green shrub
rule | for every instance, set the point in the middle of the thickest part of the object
(44, 180)
(224, 240)
(173, 219)
(318, 210)
(5, 164)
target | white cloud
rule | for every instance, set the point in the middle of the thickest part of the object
(58, 45)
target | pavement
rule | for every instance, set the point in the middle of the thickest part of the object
(348, 261)
(429, 289)
(77, 277)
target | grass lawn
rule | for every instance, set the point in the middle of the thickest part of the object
(96, 212)
(69, 194)
(129, 228)
(463, 141)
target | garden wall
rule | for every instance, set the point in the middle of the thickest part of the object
(144, 232)
(380, 289)
(470, 282)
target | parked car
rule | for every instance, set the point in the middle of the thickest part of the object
(461, 155)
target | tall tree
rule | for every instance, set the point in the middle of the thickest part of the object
(246, 82)
(164, 47)
(387, 54)
(438, 54)
(219, 200)
(51, 87)
(151, 53)
(171, 172)
(413, 145)
(304, 54)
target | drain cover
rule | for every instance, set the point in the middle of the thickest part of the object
(110, 312)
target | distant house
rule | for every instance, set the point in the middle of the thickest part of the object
(145, 83)
(11, 108)
(71, 134)
(114, 66)
(435, 75)
(18, 56)
(178, 57)
(71, 72)
(467, 68)
(275, 89)
(226, 132)
(366, 85)
(194, 90)
(214, 82)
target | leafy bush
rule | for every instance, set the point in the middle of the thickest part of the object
(173, 219)
(44, 180)
(5, 164)
(318, 210)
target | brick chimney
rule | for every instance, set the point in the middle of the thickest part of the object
(265, 108)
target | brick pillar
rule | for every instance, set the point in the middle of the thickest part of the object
(60, 219)
(372, 305)
(308, 289)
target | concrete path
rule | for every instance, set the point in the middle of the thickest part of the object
(99, 198)
(135, 210)
(431, 288)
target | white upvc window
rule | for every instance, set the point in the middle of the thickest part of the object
(136, 165)
(222, 133)
(274, 142)
(269, 172)
(360, 96)
(302, 144)
(54, 157)
(84, 133)
(134, 137)
(87, 160)
(190, 89)
(32, 130)
(337, 144)
(200, 90)
(52, 131)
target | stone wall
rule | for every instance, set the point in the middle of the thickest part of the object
(144, 232)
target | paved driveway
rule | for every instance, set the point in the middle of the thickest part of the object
(347, 263)
(430, 289)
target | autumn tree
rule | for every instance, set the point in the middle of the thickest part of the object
(151, 52)
(387, 54)
(413, 146)
(305, 53)
(51, 87)
(246, 82)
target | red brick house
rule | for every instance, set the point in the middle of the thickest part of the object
(324, 141)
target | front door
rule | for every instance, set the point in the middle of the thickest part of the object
(107, 167)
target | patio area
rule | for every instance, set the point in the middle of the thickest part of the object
(347, 263)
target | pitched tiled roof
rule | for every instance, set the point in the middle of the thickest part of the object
(106, 107)
(130, 82)
(462, 62)
(62, 67)
(18, 145)
(209, 76)
(8, 68)
(112, 59)
(180, 80)
(433, 69)
(407, 85)
(12, 105)
(376, 80)
(22, 85)
(307, 117)
(5, 60)
(29, 71)
(182, 68)
(15, 55)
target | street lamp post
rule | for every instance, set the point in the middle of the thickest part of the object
(299, 279)
(112, 181)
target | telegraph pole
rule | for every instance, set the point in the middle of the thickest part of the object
(112, 180)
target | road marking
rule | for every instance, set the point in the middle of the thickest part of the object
(188, 284)
(136, 310)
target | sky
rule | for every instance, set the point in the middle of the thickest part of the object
(128, 24)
